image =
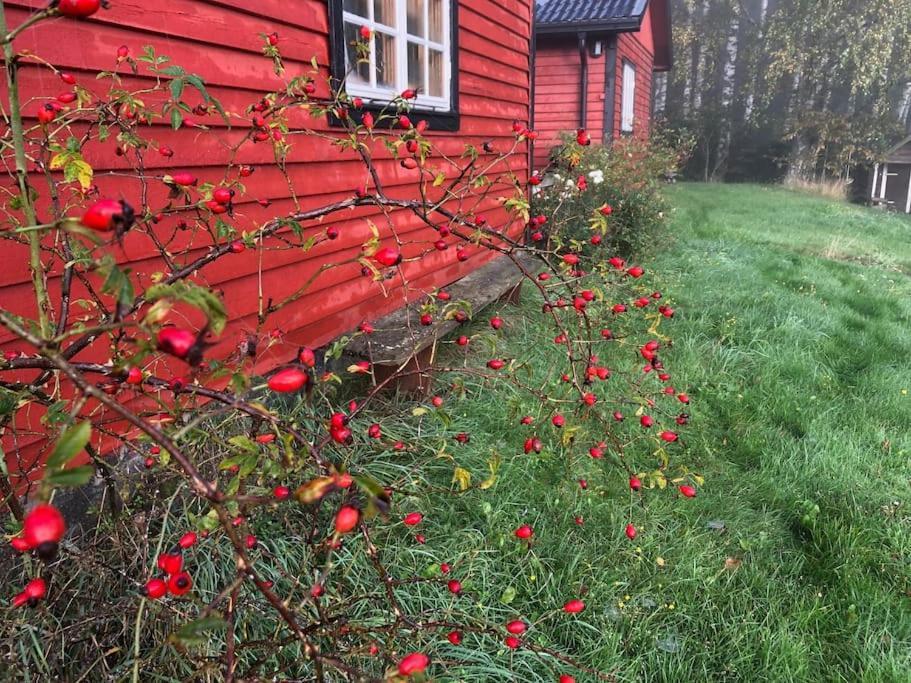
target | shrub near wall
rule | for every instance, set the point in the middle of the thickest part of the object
(613, 191)
(277, 532)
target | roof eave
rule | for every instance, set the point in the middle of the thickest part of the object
(667, 63)
(892, 151)
(617, 26)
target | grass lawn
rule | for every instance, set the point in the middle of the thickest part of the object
(794, 563)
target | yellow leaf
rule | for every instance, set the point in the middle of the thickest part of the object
(260, 407)
(700, 480)
(462, 477)
(660, 561)
(439, 180)
(84, 174)
(569, 433)
(417, 412)
(494, 465)
(57, 161)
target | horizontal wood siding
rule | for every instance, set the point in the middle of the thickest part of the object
(557, 68)
(219, 40)
(638, 49)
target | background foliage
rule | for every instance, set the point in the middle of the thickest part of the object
(789, 87)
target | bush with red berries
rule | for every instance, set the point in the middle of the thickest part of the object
(271, 532)
(608, 196)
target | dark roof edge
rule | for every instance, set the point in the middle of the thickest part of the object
(622, 25)
(894, 149)
(668, 63)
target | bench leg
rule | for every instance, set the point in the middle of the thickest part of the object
(415, 378)
(513, 295)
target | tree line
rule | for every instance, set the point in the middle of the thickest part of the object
(807, 89)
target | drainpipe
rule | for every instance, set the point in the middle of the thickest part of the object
(610, 90)
(583, 89)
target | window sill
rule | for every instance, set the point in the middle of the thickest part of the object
(436, 120)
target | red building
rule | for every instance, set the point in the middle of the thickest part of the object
(470, 60)
(594, 61)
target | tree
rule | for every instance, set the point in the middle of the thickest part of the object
(754, 78)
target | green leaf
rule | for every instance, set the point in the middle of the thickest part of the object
(244, 443)
(176, 118)
(177, 86)
(117, 284)
(508, 595)
(198, 297)
(70, 444)
(195, 632)
(8, 402)
(173, 71)
(77, 476)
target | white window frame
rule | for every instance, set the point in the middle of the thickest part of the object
(375, 94)
(628, 98)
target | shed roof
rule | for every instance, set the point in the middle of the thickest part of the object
(900, 154)
(558, 15)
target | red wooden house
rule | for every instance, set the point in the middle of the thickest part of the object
(594, 61)
(470, 60)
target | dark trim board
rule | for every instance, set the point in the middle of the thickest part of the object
(583, 79)
(436, 120)
(610, 90)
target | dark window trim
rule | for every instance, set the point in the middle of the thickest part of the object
(436, 120)
(624, 62)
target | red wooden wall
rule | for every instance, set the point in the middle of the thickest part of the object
(219, 40)
(557, 86)
(557, 64)
(637, 48)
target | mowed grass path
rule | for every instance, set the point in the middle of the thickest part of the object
(794, 562)
(796, 333)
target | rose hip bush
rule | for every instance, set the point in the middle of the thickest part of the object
(265, 537)
(614, 189)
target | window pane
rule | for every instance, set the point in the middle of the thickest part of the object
(416, 18)
(435, 11)
(385, 60)
(358, 7)
(361, 72)
(384, 12)
(629, 98)
(416, 66)
(435, 87)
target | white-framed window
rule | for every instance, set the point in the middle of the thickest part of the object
(628, 111)
(410, 47)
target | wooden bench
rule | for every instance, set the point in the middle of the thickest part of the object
(401, 344)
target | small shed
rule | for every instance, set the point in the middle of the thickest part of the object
(891, 185)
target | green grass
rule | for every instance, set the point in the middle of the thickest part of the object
(792, 564)
(793, 336)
